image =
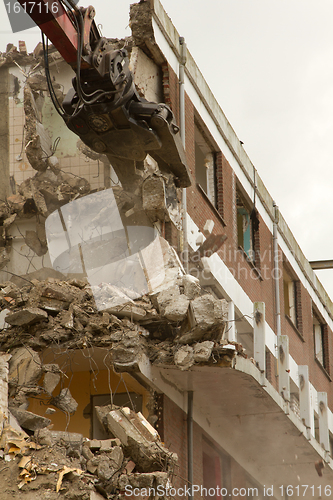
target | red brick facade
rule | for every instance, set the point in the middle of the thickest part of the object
(255, 279)
(227, 472)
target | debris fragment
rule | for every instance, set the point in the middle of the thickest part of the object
(184, 357)
(140, 440)
(50, 382)
(172, 305)
(28, 420)
(202, 351)
(25, 367)
(65, 402)
(63, 472)
(26, 316)
(319, 466)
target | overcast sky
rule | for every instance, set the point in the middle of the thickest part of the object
(270, 66)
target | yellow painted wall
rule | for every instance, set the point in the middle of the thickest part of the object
(82, 386)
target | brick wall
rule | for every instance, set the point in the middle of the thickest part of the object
(175, 438)
(257, 283)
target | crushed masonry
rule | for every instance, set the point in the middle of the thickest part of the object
(67, 317)
(85, 469)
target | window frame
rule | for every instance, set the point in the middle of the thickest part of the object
(205, 158)
(320, 340)
(247, 225)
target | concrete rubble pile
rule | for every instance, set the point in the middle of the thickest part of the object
(180, 324)
(56, 463)
(164, 325)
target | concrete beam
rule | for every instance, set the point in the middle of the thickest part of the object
(259, 335)
(306, 410)
(321, 264)
(324, 439)
(231, 335)
(283, 365)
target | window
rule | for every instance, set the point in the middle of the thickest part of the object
(205, 164)
(289, 289)
(248, 230)
(292, 291)
(320, 339)
(331, 445)
(294, 404)
(216, 470)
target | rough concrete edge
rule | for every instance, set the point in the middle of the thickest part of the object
(229, 135)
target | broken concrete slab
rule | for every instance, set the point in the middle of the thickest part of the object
(50, 382)
(105, 468)
(140, 440)
(113, 300)
(130, 366)
(25, 367)
(177, 311)
(65, 402)
(98, 323)
(184, 358)
(86, 452)
(109, 445)
(165, 273)
(205, 311)
(27, 316)
(105, 293)
(200, 333)
(202, 351)
(127, 311)
(81, 315)
(66, 319)
(125, 354)
(116, 457)
(16, 202)
(172, 305)
(68, 439)
(109, 464)
(94, 444)
(30, 421)
(143, 480)
(210, 245)
(208, 227)
(154, 198)
(192, 288)
(32, 240)
(92, 465)
(57, 292)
